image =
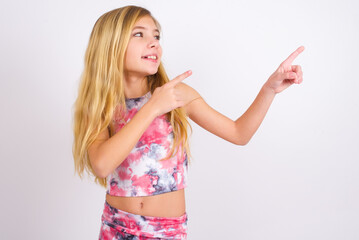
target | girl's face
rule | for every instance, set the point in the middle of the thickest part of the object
(143, 54)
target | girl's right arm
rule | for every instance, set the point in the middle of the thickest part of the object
(106, 153)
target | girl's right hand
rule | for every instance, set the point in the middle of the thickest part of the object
(167, 97)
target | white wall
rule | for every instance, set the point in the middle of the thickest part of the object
(296, 179)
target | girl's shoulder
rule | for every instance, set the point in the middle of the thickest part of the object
(190, 95)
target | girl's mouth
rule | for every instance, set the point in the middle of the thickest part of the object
(152, 58)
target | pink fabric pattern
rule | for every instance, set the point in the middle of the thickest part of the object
(118, 224)
(141, 173)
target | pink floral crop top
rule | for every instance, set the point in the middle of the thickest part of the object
(141, 173)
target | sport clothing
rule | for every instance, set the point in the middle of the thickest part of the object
(117, 224)
(141, 173)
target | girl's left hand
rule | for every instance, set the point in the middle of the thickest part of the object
(286, 74)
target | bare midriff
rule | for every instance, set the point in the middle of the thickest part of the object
(170, 204)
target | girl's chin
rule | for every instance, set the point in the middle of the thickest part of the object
(152, 72)
(147, 72)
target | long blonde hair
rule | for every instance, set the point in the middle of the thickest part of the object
(101, 87)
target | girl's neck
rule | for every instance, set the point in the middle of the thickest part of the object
(135, 86)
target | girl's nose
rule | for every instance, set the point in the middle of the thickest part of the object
(154, 44)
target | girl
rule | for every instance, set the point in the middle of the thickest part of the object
(131, 128)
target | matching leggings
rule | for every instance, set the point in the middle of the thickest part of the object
(117, 224)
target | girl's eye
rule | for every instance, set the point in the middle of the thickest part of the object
(140, 34)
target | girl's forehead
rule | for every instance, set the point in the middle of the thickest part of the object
(145, 21)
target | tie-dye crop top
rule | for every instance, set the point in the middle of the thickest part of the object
(141, 173)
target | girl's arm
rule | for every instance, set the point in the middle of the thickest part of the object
(106, 153)
(241, 131)
(238, 132)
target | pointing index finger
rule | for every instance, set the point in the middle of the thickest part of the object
(291, 57)
(180, 78)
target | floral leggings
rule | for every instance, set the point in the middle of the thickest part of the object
(117, 224)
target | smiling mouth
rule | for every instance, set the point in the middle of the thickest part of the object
(154, 57)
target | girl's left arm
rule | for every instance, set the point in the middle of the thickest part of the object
(241, 131)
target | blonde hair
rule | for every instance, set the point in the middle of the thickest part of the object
(101, 87)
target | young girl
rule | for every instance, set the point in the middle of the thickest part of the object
(131, 128)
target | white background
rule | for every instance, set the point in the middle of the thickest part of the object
(298, 178)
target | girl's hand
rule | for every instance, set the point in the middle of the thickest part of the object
(286, 74)
(167, 97)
